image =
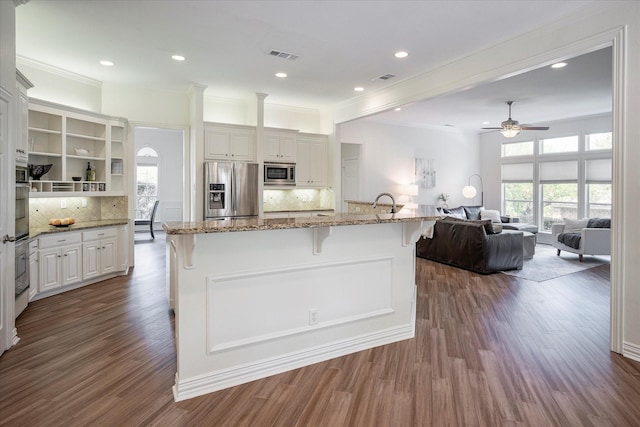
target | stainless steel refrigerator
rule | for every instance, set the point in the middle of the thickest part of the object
(231, 190)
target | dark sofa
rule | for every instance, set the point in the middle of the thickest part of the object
(466, 244)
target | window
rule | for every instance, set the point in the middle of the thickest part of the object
(517, 149)
(598, 191)
(559, 201)
(599, 141)
(547, 180)
(147, 182)
(558, 192)
(566, 144)
(518, 200)
(517, 191)
(599, 200)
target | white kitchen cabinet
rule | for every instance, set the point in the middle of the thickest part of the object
(22, 141)
(34, 269)
(229, 142)
(280, 145)
(69, 139)
(99, 254)
(311, 167)
(60, 260)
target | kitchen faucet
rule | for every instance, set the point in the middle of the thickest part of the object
(393, 206)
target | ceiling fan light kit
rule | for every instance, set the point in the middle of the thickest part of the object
(510, 128)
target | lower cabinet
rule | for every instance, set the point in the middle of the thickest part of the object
(99, 252)
(71, 257)
(60, 260)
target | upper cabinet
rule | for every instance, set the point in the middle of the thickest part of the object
(22, 141)
(70, 140)
(312, 165)
(229, 142)
(280, 145)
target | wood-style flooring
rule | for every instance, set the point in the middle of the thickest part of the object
(489, 351)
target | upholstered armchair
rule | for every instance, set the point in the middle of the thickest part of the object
(582, 238)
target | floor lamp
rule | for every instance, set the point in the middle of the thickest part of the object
(470, 191)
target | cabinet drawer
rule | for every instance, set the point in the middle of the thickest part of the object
(99, 233)
(60, 239)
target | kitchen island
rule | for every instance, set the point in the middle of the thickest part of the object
(257, 297)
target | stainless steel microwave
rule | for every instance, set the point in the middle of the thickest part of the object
(279, 174)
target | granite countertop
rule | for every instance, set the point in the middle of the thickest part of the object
(329, 220)
(301, 210)
(49, 229)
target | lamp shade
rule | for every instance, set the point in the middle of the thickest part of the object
(469, 191)
(410, 189)
(510, 132)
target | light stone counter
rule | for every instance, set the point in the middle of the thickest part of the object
(254, 224)
(49, 229)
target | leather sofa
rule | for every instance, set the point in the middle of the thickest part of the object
(466, 244)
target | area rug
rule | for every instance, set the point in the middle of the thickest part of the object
(545, 265)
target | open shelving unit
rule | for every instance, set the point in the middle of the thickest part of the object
(69, 139)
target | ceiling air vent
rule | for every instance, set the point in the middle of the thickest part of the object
(283, 55)
(385, 77)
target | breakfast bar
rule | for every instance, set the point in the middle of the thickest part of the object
(257, 297)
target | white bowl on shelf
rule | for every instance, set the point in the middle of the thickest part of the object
(81, 151)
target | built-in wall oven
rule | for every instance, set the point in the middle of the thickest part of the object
(22, 204)
(22, 231)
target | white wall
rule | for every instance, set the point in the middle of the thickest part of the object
(168, 144)
(491, 144)
(388, 154)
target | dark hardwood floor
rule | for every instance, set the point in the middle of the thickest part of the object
(489, 351)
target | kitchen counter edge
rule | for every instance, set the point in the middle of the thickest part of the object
(50, 229)
(254, 224)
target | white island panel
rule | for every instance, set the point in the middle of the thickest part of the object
(250, 304)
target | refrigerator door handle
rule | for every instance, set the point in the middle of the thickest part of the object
(232, 190)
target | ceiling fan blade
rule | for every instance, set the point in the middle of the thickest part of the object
(492, 128)
(534, 127)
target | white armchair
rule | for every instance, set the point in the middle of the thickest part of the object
(593, 241)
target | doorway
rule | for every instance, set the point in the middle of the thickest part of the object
(351, 165)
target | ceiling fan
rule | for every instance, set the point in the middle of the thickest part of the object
(510, 128)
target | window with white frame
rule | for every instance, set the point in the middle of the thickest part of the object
(558, 192)
(598, 188)
(557, 178)
(517, 191)
(146, 182)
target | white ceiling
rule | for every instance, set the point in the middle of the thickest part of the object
(342, 44)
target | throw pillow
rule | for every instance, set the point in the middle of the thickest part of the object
(473, 212)
(458, 212)
(573, 225)
(599, 223)
(494, 216)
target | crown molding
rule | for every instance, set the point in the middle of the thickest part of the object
(20, 2)
(58, 71)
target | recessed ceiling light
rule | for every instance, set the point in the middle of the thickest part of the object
(358, 88)
(397, 109)
(281, 75)
(107, 63)
(401, 54)
(178, 57)
(486, 123)
(559, 65)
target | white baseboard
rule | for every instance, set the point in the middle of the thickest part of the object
(193, 387)
(632, 351)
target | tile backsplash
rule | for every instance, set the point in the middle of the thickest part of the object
(299, 199)
(43, 209)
